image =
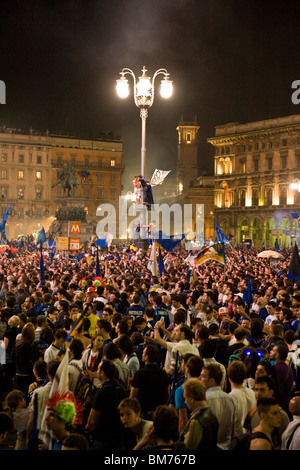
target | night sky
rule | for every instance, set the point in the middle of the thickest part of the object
(231, 61)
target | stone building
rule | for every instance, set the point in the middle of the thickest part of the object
(255, 166)
(29, 166)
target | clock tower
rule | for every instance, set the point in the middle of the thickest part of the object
(187, 159)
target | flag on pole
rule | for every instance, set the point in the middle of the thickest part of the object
(213, 252)
(294, 268)
(168, 242)
(152, 264)
(161, 266)
(247, 297)
(220, 234)
(277, 245)
(97, 262)
(158, 177)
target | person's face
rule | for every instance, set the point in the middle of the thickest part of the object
(273, 353)
(129, 418)
(245, 323)
(177, 333)
(105, 315)
(98, 342)
(260, 370)
(204, 378)
(52, 420)
(74, 313)
(188, 400)
(273, 416)
(262, 391)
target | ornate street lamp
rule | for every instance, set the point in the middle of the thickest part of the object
(144, 97)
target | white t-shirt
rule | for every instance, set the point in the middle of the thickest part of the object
(244, 399)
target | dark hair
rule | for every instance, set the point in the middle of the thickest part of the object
(125, 344)
(52, 367)
(194, 365)
(77, 441)
(40, 367)
(111, 351)
(109, 369)
(237, 372)
(264, 404)
(105, 324)
(282, 351)
(153, 353)
(188, 332)
(165, 423)
(266, 379)
(214, 372)
(76, 347)
(123, 326)
(60, 333)
(208, 348)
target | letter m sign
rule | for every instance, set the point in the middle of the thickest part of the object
(75, 228)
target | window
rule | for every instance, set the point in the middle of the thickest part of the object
(86, 160)
(256, 146)
(188, 138)
(20, 193)
(39, 159)
(243, 166)
(112, 178)
(20, 175)
(38, 175)
(73, 160)
(283, 160)
(99, 177)
(113, 162)
(3, 193)
(255, 164)
(4, 157)
(59, 159)
(242, 198)
(21, 158)
(269, 197)
(100, 162)
(100, 193)
(284, 142)
(113, 193)
(38, 193)
(255, 197)
(4, 174)
(282, 196)
(269, 163)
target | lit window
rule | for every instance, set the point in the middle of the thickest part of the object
(21, 193)
(4, 157)
(38, 175)
(20, 175)
(113, 162)
(4, 174)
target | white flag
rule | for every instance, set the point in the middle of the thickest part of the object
(158, 177)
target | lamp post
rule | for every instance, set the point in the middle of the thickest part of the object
(143, 93)
(144, 97)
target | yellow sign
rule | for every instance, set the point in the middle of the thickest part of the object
(62, 243)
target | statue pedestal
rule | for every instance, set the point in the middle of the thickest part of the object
(71, 209)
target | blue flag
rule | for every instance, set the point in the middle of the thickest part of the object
(101, 242)
(276, 245)
(97, 262)
(247, 297)
(220, 234)
(294, 268)
(161, 266)
(168, 242)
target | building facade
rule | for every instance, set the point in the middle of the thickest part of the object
(29, 166)
(255, 165)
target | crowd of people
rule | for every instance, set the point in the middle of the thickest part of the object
(198, 357)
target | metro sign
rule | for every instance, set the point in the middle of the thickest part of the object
(74, 243)
(75, 228)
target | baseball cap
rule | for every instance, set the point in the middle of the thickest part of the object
(239, 294)
(91, 289)
(223, 311)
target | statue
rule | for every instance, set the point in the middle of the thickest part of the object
(67, 178)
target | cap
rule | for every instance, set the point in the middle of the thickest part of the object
(223, 311)
(239, 294)
(91, 289)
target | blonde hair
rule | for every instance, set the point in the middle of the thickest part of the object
(195, 389)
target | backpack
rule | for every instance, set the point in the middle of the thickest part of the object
(242, 442)
(235, 356)
(84, 392)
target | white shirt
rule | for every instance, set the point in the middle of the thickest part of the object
(244, 399)
(183, 347)
(223, 407)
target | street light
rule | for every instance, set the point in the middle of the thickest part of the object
(144, 97)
